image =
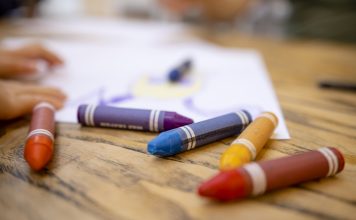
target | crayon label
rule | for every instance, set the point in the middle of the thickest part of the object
(204, 132)
(41, 131)
(333, 162)
(122, 118)
(258, 177)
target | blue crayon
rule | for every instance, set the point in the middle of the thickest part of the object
(197, 134)
(178, 72)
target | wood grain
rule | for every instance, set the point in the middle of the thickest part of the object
(100, 173)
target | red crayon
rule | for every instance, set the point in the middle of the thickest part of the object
(39, 143)
(257, 178)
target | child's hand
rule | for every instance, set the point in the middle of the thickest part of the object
(24, 60)
(18, 99)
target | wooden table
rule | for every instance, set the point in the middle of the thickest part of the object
(106, 174)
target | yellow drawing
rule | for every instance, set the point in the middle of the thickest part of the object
(164, 89)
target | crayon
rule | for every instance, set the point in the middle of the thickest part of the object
(129, 118)
(250, 142)
(254, 179)
(338, 85)
(178, 72)
(197, 134)
(39, 142)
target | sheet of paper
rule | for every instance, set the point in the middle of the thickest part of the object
(129, 75)
(105, 30)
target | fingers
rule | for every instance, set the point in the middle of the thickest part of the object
(42, 90)
(37, 51)
(49, 56)
(10, 66)
(19, 99)
(34, 94)
(28, 102)
(25, 60)
(25, 103)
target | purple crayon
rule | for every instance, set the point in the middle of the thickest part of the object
(129, 118)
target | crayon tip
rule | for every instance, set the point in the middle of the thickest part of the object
(166, 144)
(37, 155)
(173, 120)
(177, 73)
(230, 164)
(174, 75)
(234, 157)
(225, 186)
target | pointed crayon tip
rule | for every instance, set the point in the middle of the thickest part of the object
(235, 156)
(166, 144)
(37, 155)
(226, 185)
(174, 120)
(229, 164)
(174, 75)
(154, 147)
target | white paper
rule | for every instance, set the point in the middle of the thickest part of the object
(127, 74)
(104, 30)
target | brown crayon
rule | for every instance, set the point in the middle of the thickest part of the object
(39, 143)
(257, 178)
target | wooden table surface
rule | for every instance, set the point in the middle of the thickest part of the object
(101, 173)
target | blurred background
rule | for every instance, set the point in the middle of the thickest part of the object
(331, 20)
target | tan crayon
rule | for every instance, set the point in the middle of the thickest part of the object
(250, 142)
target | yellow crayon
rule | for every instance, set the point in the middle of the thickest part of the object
(250, 142)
